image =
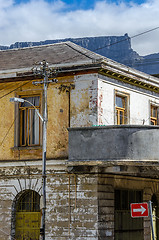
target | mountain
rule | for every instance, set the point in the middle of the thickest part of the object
(117, 48)
(148, 64)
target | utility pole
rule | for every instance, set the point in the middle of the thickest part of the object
(46, 72)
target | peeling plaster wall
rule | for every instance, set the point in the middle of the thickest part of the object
(105, 103)
(139, 102)
(84, 100)
(79, 107)
(58, 122)
(90, 102)
(57, 133)
(79, 206)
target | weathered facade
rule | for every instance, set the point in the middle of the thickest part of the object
(93, 177)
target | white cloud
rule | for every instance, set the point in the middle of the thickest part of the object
(40, 20)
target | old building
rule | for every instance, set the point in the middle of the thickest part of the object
(110, 160)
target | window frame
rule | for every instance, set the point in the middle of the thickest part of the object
(124, 110)
(17, 126)
(29, 201)
(153, 119)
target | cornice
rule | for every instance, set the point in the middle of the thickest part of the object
(130, 79)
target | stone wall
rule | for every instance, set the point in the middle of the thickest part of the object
(72, 206)
(79, 205)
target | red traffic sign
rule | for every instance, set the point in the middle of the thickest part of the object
(139, 210)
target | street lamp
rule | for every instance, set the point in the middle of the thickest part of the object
(43, 119)
(43, 70)
(19, 100)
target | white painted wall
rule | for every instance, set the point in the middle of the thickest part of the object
(139, 101)
(93, 101)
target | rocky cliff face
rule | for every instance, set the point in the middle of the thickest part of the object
(117, 48)
(148, 64)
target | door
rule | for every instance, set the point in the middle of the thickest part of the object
(126, 227)
(28, 217)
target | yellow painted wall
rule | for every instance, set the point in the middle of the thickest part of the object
(58, 118)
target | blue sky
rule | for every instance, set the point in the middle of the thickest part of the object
(85, 4)
(39, 20)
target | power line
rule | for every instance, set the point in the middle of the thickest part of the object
(7, 87)
(108, 111)
(16, 115)
(15, 89)
(142, 33)
(146, 60)
(150, 30)
(136, 35)
(37, 118)
(108, 45)
(8, 130)
(2, 88)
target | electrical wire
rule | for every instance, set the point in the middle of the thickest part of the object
(145, 59)
(143, 121)
(108, 45)
(127, 38)
(7, 86)
(72, 58)
(143, 62)
(15, 89)
(142, 33)
(7, 132)
(16, 115)
(34, 122)
(147, 31)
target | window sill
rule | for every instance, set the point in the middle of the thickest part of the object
(26, 148)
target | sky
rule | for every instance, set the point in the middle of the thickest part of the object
(39, 20)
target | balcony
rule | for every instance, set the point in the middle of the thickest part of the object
(113, 143)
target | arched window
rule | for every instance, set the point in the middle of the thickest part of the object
(27, 222)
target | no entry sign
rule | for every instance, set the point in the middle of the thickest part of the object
(139, 210)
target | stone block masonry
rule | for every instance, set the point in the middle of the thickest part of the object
(80, 206)
(72, 206)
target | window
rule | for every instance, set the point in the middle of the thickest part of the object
(121, 113)
(29, 202)
(29, 122)
(154, 115)
(125, 226)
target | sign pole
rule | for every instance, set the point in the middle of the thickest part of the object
(151, 219)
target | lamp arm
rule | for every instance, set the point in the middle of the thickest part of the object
(35, 110)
